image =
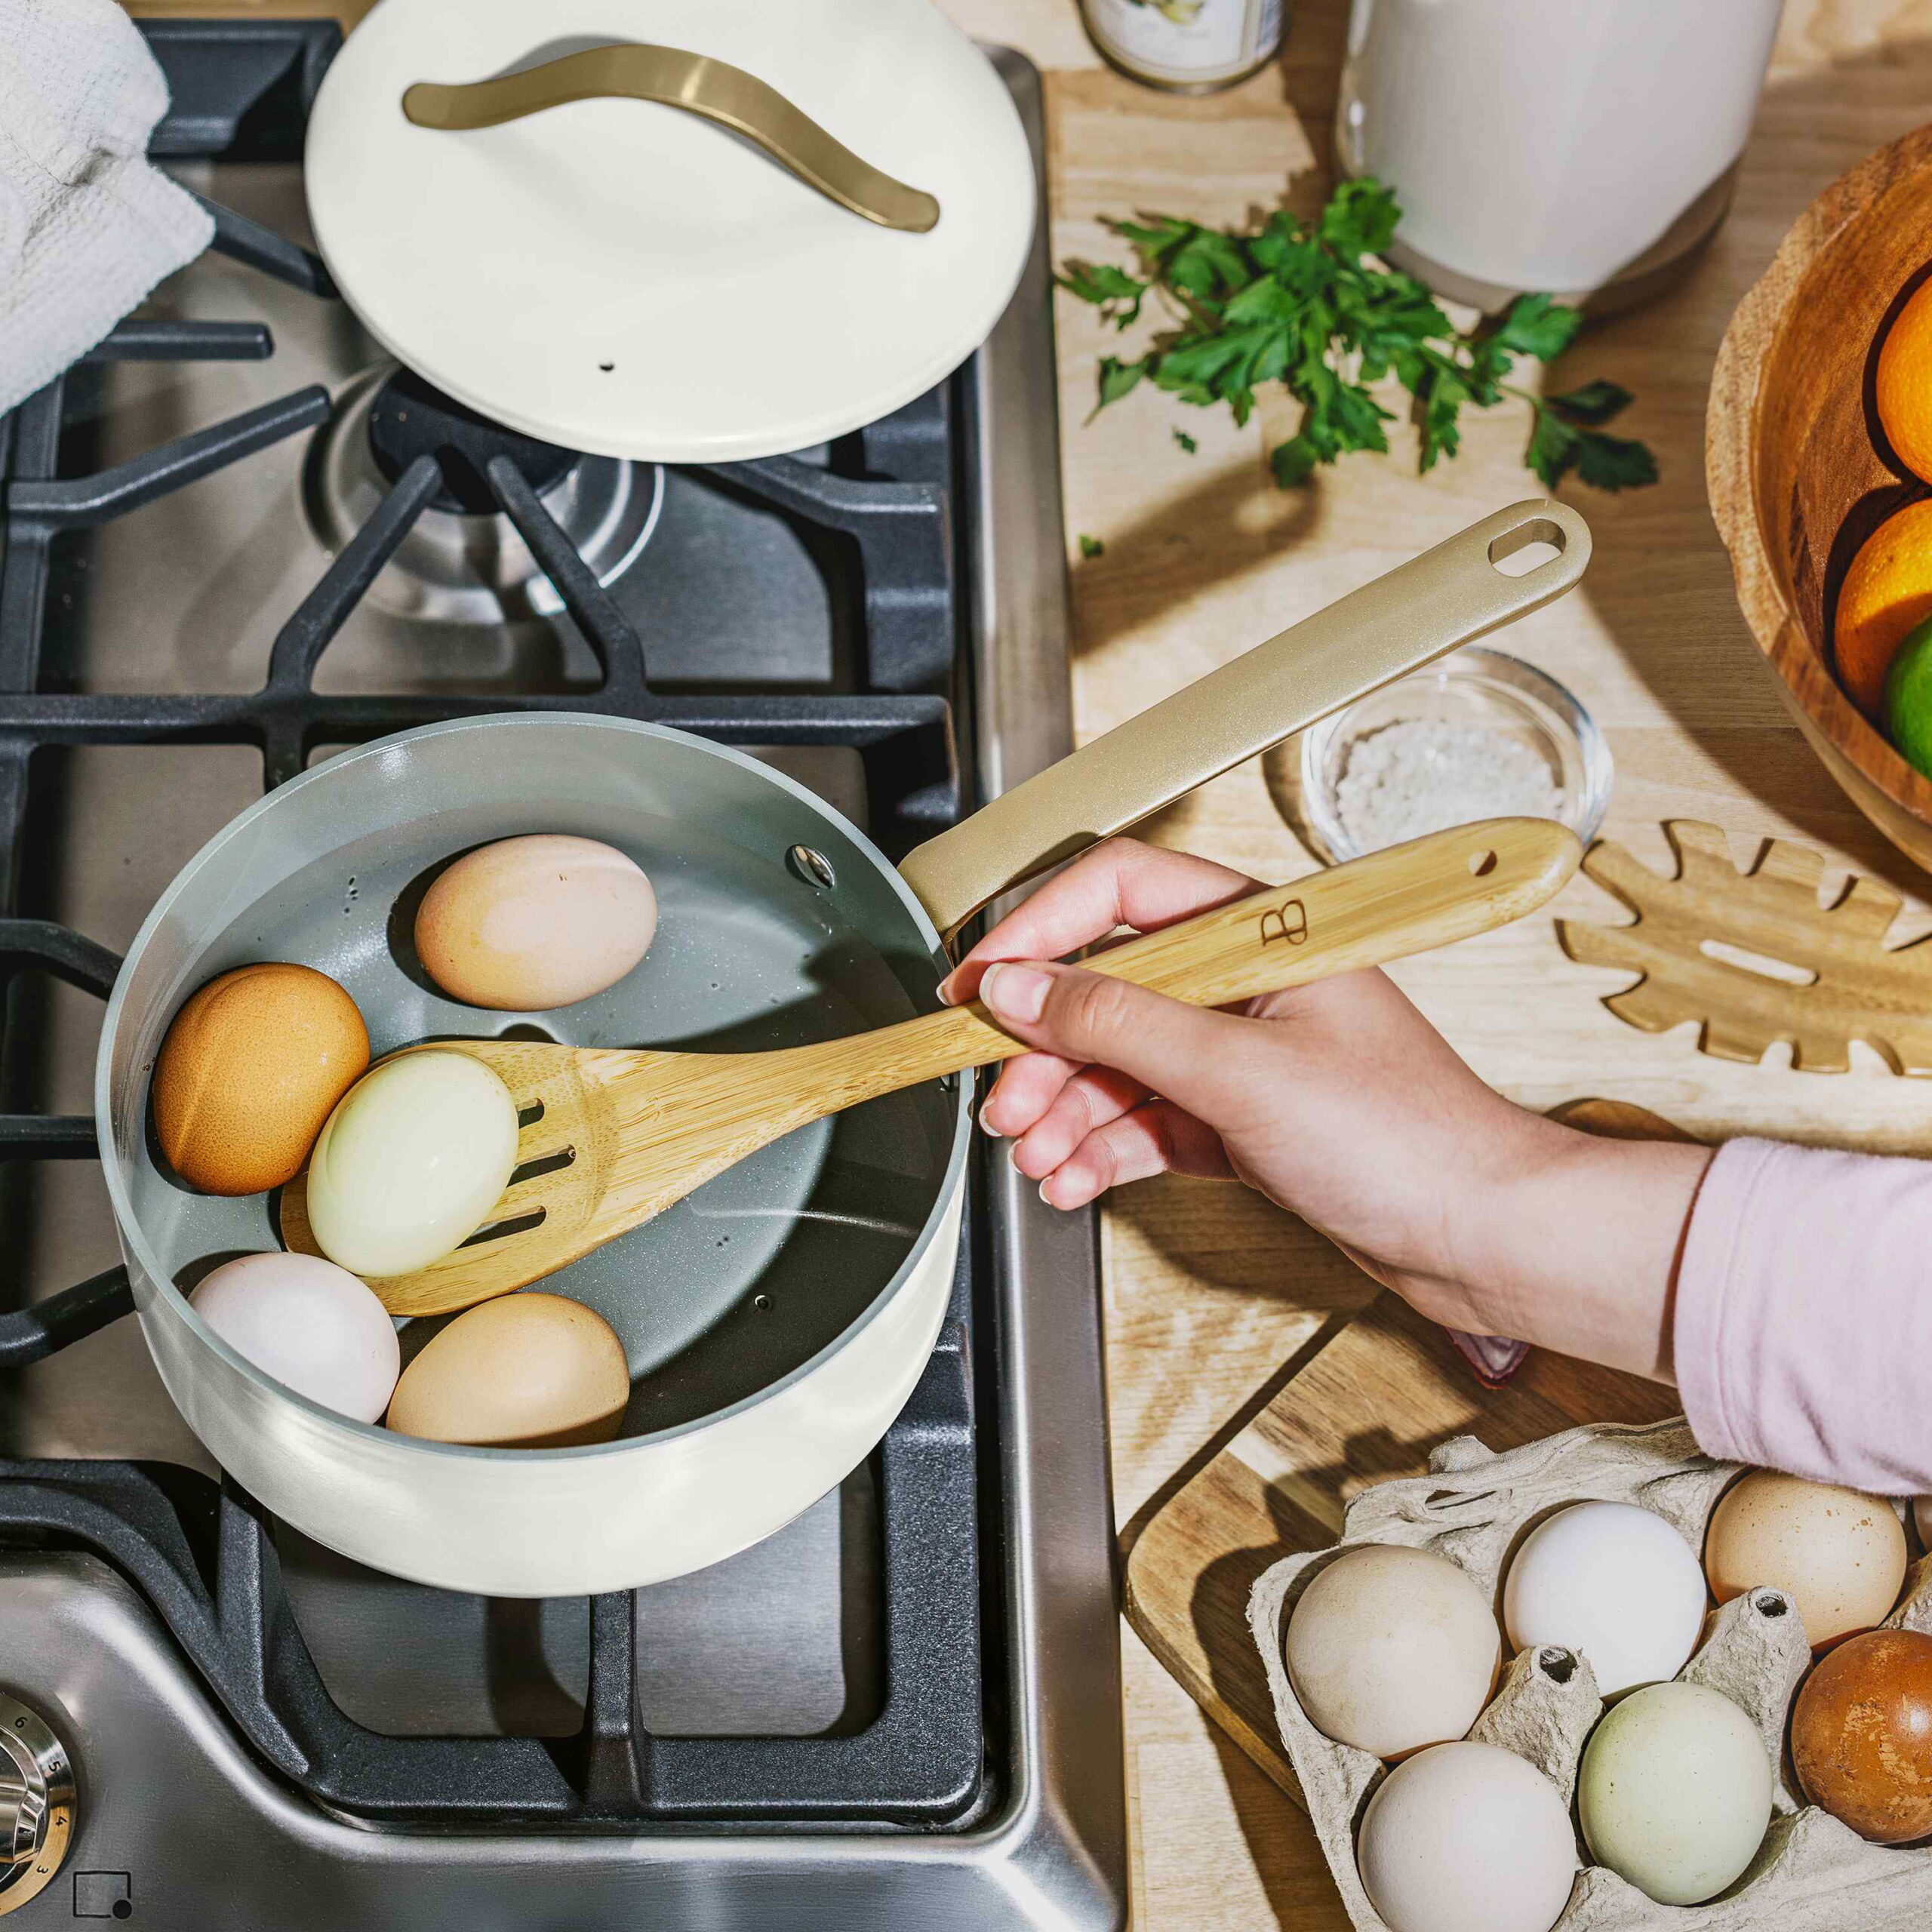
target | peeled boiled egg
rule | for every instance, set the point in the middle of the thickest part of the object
(310, 1324)
(1861, 1735)
(531, 923)
(1391, 1648)
(1612, 1580)
(1675, 1792)
(1838, 1554)
(525, 1371)
(248, 1072)
(1467, 1838)
(411, 1162)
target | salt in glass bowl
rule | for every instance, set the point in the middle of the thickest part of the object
(1472, 686)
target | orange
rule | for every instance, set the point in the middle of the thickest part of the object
(1886, 592)
(1903, 390)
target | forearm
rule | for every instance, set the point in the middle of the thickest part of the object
(1577, 1248)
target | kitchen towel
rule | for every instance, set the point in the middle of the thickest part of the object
(88, 225)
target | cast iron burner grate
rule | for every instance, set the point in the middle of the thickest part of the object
(202, 1553)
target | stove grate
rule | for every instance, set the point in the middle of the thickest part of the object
(201, 1553)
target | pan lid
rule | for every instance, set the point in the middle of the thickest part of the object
(678, 230)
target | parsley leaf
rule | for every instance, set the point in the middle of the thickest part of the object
(1310, 305)
(1091, 546)
(1117, 378)
(1596, 403)
(1186, 441)
(1111, 290)
(1613, 462)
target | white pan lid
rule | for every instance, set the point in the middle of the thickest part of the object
(624, 278)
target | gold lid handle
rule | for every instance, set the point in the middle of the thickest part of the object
(713, 90)
(1446, 597)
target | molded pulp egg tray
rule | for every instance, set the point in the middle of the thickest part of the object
(1812, 1873)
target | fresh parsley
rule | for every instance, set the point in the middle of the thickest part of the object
(1186, 441)
(1310, 305)
(1091, 546)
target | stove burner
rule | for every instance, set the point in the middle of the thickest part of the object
(460, 564)
(410, 417)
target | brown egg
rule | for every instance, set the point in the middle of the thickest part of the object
(525, 1371)
(1861, 1735)
(528, 924)
(250, 1070)
(1839, 1554)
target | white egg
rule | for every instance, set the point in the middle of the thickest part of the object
(1391, 1648)
(310, 1324)
(1467, 1838)
(1611, 1580)
(408, 1166)
(1921, 1520)
(1675, 1792)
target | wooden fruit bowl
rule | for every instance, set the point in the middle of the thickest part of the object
(1798, 471)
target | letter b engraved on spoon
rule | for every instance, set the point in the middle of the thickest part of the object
(1287, 922)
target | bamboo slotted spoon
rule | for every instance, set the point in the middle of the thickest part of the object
(620, 1135)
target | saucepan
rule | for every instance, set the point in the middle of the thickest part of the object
(776, 1320)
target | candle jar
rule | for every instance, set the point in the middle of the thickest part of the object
(1585, 148)
(1186, 46)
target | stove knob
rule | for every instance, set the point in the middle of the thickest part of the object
(36, 1803)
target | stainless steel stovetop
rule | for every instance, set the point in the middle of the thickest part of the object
(180, 1823)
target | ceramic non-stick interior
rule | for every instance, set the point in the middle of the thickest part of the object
(749, 1279)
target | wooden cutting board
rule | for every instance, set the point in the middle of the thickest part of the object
(1367, 1403)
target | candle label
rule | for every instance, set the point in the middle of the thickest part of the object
(1186, 43)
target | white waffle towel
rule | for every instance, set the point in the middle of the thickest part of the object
(88, 225)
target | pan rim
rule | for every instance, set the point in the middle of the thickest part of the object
(133, 1237)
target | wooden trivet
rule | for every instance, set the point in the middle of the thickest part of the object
(1858, 988)
(1371, 1404)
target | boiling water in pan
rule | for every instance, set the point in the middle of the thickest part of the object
(747, 1279)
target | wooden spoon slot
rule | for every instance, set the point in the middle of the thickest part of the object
(547, 1163)
(1761, 964)
(521, 1224)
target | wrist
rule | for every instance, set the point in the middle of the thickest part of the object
(1503, 1214)
(1583, 1239)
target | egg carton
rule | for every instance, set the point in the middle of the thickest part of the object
(1812, 1873)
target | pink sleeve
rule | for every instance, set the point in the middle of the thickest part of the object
(1803, 1332)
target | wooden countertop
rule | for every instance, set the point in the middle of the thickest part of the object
(1209, 1291)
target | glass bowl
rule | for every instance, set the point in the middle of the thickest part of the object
(1472, 686)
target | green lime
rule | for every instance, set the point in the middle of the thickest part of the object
(1908, 697)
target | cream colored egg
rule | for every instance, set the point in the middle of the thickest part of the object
(311, 1325)
(411, 1162)
(1467, 1838)
(525, 1371)
(1838, 1554)
(1391, 1648)
(529, 924)
(1675, 1792)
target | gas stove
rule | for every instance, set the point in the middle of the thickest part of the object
(235, 540)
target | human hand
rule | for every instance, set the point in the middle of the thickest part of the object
(1336, 1099)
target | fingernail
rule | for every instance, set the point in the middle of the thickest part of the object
(987, 1126)
(1015, 992)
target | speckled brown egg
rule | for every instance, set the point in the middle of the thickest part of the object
(250, 1070)
(525, 1371)
(529, 924)
(1839, 1554)
(1861, 1735)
